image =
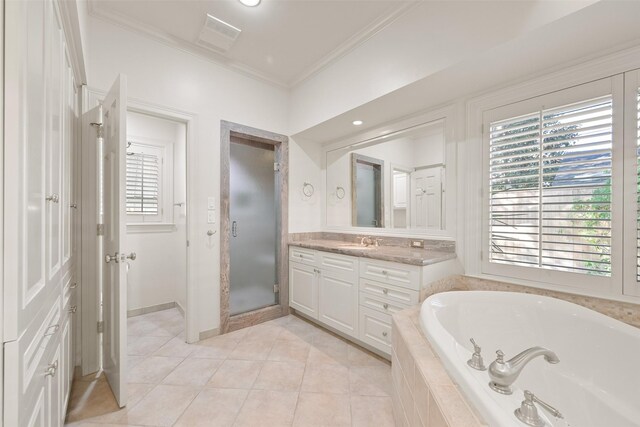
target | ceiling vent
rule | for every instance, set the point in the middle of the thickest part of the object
(217, 35)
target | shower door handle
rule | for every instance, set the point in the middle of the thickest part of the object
(234, 228)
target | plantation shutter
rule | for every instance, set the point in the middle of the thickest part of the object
(143, 172)
(550, 188)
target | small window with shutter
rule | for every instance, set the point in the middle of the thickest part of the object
(144, 182)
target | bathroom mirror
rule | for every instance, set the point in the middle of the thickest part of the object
(393, 182)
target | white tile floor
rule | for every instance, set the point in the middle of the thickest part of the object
(286, 372)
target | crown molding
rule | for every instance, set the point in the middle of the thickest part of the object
(356, 40)
(220, 59)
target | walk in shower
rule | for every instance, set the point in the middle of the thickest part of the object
(254, 230)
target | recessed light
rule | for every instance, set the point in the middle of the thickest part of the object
(250, 3)
(357, 122)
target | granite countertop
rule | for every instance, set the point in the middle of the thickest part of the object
(401, 254)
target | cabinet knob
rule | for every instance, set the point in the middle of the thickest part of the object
(385, 291)
(384, 334)
(73, 206)
(51, 369)
(74, 285)
(386, 306)
(385, 272)
(73, 309)
(53, 198)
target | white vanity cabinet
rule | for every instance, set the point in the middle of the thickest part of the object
(356, 297)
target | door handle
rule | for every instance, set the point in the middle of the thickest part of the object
(234, 228)
(53, 198)
(132, 256)
(110, 258)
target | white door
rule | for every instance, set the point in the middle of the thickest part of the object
(426, 203)
(114, 279)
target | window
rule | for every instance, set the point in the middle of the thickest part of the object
(551, 202)
(550, 186)
(145, 182)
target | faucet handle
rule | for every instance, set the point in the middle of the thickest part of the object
(476, 348)
(476, 361)
(500, 356)
(528, 413)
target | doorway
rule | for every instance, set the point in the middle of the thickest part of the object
(253, 216)
(156, 214)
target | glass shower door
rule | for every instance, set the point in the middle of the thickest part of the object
(254, 228)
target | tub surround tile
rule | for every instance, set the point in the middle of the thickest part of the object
(423, 393)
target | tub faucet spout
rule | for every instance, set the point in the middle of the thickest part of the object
(503, 374)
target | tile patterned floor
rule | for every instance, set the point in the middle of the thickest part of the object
(286, 372)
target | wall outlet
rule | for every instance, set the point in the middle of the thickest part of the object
(417, 244)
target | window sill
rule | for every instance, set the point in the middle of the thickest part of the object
(149, 227)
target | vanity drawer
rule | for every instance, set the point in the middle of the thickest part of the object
(406, 276)
(390, 293)
(306, 256)
(375, 329)
(338, 263)
(380, 304)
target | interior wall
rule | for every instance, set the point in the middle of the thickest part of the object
(392, 59)
(168, 77)
(159, 273)
(305, 165)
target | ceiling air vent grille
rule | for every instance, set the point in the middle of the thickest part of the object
(217, 35)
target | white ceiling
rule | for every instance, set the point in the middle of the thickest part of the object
(283, 41)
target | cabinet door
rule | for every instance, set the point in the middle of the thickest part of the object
(54, 391)
(338, 301)
(66, 366)
(303, 288)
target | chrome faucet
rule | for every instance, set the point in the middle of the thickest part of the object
(503, 374)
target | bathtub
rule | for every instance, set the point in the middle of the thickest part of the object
(596, 383)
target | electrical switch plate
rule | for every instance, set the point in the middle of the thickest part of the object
(211, 217)
(211, 203)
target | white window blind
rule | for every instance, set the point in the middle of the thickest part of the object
(143, 174)
(550, 188)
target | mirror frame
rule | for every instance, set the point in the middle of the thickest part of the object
(390, 131)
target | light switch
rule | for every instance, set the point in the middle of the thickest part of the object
(211, 203)
(211, 217)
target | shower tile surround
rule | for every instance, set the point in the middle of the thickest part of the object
(394, 249)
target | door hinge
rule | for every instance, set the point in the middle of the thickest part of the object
(100, 230)
(100, 326)
(276, 288)
(276, 166)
